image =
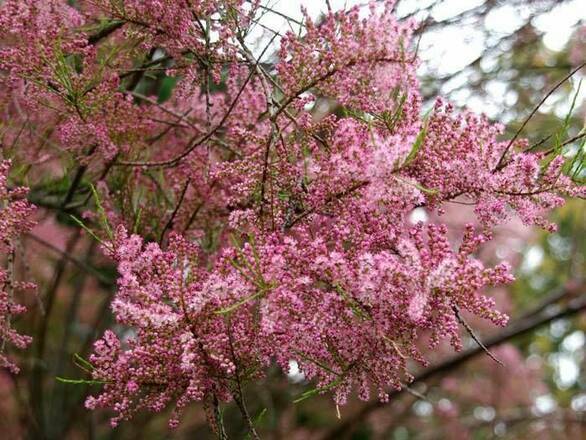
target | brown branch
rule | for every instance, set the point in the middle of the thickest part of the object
(567, 142)
(473, 335)
(520, 327)
(195, 142)
(79, 263)
(169, 223)
(36, 383)
(58, 402)
(275, 132)
(179, 116)
(197, 209)
(328, 75)
(105, 31)
(238, 395)
(280, 14)
(330, 199)
(77, 179)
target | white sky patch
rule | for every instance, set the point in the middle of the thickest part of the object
(506, 18)
(566, 369)
(537, 281)
(502, 252)
(579, 402)
(445, 404)
(444, 50)
(563, 107)
(418, 215)
(450, 49)
(533, 259)
(295, 375)
(449, 8)
(408, 7)
(500, 429)
(559, 23)
(484, 413)
(574, 341)
(559, 328)
(422, 408)
(544, 404)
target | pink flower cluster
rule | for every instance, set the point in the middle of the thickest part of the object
(272, 208)
(15, 213)
(52, 66)
(363, 64)
(328, 272)
(184, 28)
(461, 156)
(350, 319)
(182, 346)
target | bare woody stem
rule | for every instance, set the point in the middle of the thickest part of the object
(237, 394)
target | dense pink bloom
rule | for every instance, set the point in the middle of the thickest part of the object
(269, 229)
(333, 278)
(15, 213)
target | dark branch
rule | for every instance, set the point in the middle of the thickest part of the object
(523, 326)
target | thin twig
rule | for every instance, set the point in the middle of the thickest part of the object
(238, 395)
(567, 142)
(105, 31)
(514, 138)
(473, 335)
(169, 223)
(414, 392)
(195, 142)
(79, 263)
(179, 116)
(274, 135)
(328, 200)
(522, 326)
(38, 372)
(326, 76)
(280, 14)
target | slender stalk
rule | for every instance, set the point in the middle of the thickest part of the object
(39, 368)
(196, 140)
(474, 336)
(537, 107)
(238, 395)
